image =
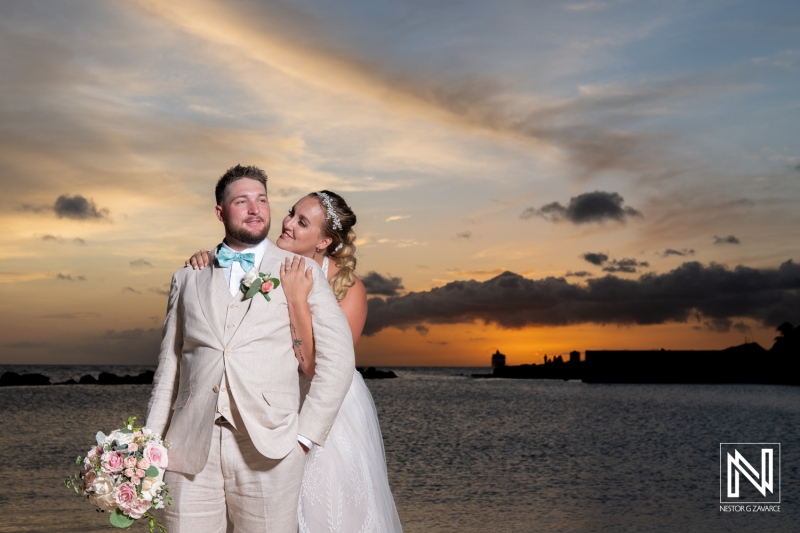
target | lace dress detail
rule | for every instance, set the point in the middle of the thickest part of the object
(345, 485)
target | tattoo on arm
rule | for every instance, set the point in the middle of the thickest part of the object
(296, 342)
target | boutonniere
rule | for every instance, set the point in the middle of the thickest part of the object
(255, 282)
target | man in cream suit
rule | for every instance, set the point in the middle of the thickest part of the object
(226, 395)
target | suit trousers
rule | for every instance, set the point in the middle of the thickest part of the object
(238, 487)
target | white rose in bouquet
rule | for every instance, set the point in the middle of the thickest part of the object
(150, 487)
(100, 487)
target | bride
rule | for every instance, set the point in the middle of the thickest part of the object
(345, 485)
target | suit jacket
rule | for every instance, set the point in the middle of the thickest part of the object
(206, 333)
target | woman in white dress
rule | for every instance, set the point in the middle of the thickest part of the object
(345, 485)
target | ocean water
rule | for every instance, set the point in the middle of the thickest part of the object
(467, 455)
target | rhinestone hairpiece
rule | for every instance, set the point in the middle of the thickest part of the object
(330, 213)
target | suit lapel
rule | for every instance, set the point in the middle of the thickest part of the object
(258, 306)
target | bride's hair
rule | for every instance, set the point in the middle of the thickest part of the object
(338, 225)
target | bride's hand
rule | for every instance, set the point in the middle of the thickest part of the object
(296, 279)
(200, 260)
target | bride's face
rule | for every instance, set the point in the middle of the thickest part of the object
(301, 232)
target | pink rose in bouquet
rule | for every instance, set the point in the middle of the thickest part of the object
(156, 454)
(112, 462)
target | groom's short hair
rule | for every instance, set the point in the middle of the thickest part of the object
(236, 173)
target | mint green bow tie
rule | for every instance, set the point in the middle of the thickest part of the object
(226, 257)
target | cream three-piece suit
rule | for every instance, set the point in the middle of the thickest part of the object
(228, 380)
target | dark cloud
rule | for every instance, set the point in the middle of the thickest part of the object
(626, 265)
(682, 253)
(161, 291)
(60, 239)
(578, 274)
(770, 296)
(439, 343)
(131, 290)
(464, 235)
(422, 329)
(597, 206)
(382, 286)
(595, 258)
(79, 208)
(718, 325)
(141, 263)
(730, 239)
(35, 208)
(70, 277)
(741, 327)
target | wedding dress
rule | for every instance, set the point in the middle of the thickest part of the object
(345, 485)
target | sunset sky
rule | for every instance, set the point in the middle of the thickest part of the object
(530, 176)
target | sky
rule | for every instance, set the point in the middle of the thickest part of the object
(533, 177)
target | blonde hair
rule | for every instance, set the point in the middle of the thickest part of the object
(342, 248)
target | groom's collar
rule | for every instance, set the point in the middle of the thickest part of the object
(259, 250)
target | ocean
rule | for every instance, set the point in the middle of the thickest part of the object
(466, 455)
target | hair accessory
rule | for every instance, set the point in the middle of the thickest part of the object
(338, 247)
(330, 212)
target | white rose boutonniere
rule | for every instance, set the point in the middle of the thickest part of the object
(258, 282)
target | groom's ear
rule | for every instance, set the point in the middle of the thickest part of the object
(218, 211)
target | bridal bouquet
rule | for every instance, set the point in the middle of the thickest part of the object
(124, 475)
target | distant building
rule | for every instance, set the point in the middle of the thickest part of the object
(574, 357)
(498, 360)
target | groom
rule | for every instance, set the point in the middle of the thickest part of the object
(226, 394)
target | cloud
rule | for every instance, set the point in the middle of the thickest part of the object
(595, 258)
(730, 239)
(459, 273)
(160, 291)
(397, 217)
(141, 263)
(464, 235)
(72, 316)
(422, 329)
(382, 286)
(131, 290)
(681, 253)
(578, 274)
(770, 296)
(597, 206)
(59, 239)
(626, 265)
(69, 277)
(79, 208)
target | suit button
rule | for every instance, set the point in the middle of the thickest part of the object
(223, 389)
(227, 351)
(215, 389)
(230, 326)
(233, 306)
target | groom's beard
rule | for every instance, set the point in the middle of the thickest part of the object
(246, 236)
